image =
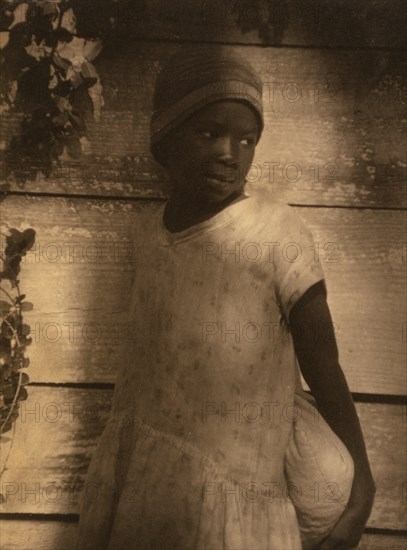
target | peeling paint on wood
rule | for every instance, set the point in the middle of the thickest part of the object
(78, 278)
(335, 128)
(57, 430)
(52, 535)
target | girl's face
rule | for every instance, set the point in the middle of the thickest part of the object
(210, 154)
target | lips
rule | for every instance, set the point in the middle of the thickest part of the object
(229, 178)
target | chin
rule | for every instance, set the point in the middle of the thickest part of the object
(218, 198)
(221, 195)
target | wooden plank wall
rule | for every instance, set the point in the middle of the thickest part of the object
(334, 90)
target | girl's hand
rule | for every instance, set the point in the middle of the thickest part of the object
(348, 531)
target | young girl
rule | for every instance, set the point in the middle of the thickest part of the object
(211, 443)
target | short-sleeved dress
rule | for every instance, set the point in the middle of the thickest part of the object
(192, 457)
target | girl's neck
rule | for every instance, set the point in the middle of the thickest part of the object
(181, 213)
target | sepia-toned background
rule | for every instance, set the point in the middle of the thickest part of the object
(334, 147)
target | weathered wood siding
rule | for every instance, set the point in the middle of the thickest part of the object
(334, 90)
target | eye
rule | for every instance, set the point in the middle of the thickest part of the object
(249, 141)
(209, 134)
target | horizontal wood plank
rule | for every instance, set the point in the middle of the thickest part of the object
(49, 535)
(78, 278)
(57, 431)
(52, 535)
(382, 542)
(41, 535)
(279, 22)
(334, 129)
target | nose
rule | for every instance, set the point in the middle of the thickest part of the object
(227, 152)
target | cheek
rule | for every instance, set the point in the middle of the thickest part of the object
(190, 164)
(187, 168)
(194, 161)
(246, 160)
(182, 159)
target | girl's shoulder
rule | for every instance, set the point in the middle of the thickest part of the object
(273, 215)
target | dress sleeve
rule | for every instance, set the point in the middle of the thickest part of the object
(297, 265)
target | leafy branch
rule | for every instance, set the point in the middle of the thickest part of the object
(45, 65)
(14, 333)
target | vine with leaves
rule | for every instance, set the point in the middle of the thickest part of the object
(14, 337)
(45, 66)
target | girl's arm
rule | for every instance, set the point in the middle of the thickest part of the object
(314, 341)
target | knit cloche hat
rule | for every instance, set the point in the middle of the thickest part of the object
(196, 76)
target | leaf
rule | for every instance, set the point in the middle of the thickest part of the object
(28, 239)
(72, 51)
(95, 94)
(53, 81)
(19, 242)
(4, 307)
(62, 35)
(92, 49)
(89, 73)
(25, 330)
(27, 306)
(12, 267)
(5, 360)
(9, 392)
(12, 89)
(6, 428)
(24, 379)
(38, 51)
(64, 107)
(68, 21)
(78, 50)
(74, 76)
(15, 366)
(50, 10)
(19, 15)
(62, 63)
(22, 395)
(26, 341)
(85, 145)
(17, 245)
(13, 415)
(77, 122)
(4, 38)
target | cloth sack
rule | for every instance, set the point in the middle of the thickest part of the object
(319, 472)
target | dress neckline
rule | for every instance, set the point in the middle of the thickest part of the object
(168, 238)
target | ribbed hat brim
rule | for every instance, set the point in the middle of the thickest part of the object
(197, 76)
